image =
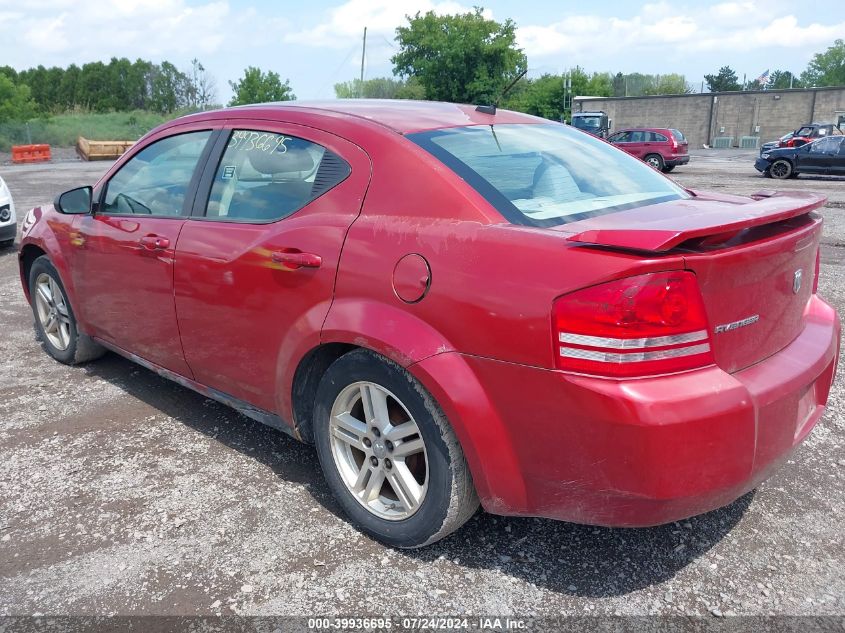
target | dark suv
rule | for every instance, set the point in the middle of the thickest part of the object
(662, 148)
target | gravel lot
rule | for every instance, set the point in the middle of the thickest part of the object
(123, 493)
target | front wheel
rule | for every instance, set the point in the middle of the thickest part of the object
(781, 169)
(655, 161)
(55, 324)
(388, 454)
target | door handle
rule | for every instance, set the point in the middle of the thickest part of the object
(154, 242)
(297, 259)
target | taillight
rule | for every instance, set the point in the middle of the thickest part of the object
(638, 326)
(818, 267)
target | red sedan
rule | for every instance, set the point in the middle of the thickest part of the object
(454, 306)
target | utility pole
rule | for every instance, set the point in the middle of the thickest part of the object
(363, 55)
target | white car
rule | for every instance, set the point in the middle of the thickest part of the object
(8, 221)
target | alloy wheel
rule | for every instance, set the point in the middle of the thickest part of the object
(780, 169)
(53, 313)
(379, 451)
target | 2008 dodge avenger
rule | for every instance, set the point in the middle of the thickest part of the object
(455, 305)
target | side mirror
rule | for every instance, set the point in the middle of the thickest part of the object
(74, 202)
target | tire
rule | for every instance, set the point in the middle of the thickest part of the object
(355, 457)
(58, 335)
(7, 243)
(655, 161)
(781, 169)
(668, 168)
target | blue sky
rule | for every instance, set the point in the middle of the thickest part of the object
(318, 43)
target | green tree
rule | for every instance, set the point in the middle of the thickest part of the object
(380, 88)
(258, 87)
(723, 81)
(67, 88)
(670, 84)
(828, 68)
(169, 89)
(779, 79)
(543, 96)
(463, 58)
(16, 103)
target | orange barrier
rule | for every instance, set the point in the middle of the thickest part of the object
(30, 153)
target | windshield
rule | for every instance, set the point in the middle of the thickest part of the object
(547, 174)
(586, 121)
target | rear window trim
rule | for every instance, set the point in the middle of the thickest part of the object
(496, 198)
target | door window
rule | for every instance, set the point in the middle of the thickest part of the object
(154, 181)
(654, 137)
(828, 145)
(621, 137)
(266, 176)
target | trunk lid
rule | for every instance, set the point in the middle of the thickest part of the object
(755, 261)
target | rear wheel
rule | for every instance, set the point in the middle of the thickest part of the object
(7, 243)
(781, 169)
(668, 168)
(55, 324)
(388, 453)
(655, 160)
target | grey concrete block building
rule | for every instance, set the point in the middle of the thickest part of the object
(767, 114)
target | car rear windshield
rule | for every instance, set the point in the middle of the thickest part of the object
(546, 175)
(679, 136)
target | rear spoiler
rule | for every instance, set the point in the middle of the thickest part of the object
(662, 227)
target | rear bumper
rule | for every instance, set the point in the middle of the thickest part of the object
(674, 161)
(634, 452)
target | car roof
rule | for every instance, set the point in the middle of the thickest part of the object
(647, 129)
(400, 115)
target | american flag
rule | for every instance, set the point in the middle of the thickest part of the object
(763, 79)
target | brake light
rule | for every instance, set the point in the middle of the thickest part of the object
(638, 326)
(818, 268)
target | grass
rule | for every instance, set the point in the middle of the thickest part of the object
(61, 130)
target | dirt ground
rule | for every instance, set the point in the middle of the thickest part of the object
(123, 493)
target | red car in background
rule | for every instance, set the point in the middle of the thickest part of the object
(662, 148)
(808, 133)
(454, 306)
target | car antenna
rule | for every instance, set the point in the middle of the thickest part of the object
(491, 109)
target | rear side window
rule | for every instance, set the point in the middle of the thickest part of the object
(547, 174)
(154, 181)
(266, 176)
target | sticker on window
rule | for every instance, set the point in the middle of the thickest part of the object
(258, 141)
(228, 172)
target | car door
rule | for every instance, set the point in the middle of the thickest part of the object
(636, 143)
(818, 156)
(256, 262)
(123, 263)
(839, 159)
(621, 140)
